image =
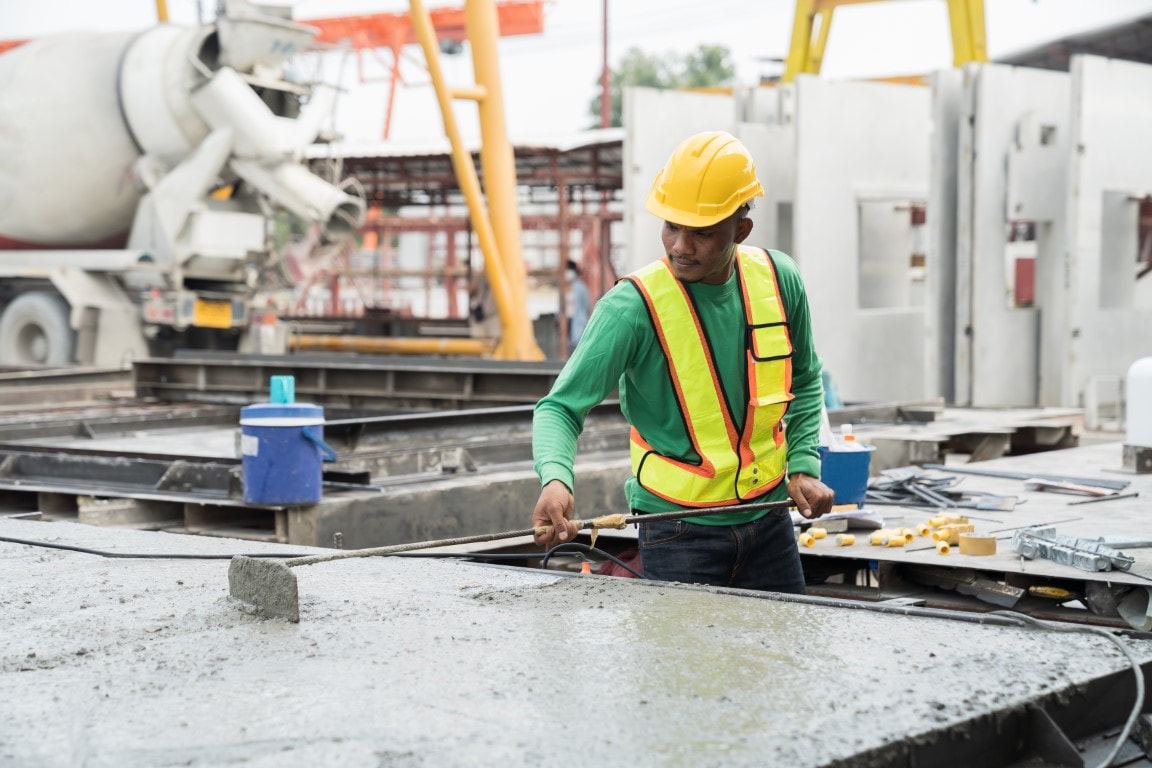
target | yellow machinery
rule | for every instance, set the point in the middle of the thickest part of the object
(809, 38)
(497, 224)
(495, 221)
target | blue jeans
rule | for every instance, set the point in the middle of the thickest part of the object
(758, 555)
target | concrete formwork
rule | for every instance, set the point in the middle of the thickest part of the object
(657, 121)
(1010, 118)
(862, 162)
(1108, 319)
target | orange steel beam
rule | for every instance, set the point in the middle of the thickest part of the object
(383, 30)
(7, 45)
(395, 345)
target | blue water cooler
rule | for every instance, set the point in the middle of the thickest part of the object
(282, 451)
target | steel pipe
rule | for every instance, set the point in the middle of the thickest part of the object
(395, 345)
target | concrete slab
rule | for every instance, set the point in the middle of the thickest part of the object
(401, 662)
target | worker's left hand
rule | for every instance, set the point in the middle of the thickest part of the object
(813, 498)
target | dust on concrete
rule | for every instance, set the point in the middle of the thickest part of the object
(409, 662)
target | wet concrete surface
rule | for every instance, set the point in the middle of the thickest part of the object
(419, 662)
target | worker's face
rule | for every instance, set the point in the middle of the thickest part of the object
(704, 254)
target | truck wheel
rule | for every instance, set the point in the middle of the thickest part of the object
(34, 330)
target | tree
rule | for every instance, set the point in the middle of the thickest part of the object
(708, 66)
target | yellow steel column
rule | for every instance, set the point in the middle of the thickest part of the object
(517, 340)
(162, 11)
(496, 156)
(801, 40)
(816, 51)
(958, 21)
(967, 21)
(979, 46)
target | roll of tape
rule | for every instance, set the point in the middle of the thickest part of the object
(943, 547)
(924, 529)
(817, 532)
(879, 537)
(807, 539)
(845, 540)
(976, 544)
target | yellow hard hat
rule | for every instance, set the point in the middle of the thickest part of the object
(705, 180)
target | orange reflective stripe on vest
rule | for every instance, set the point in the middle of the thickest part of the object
(734, 466)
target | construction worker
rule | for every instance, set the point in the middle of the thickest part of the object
(711, 348)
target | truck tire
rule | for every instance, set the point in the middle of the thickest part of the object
(34, 331)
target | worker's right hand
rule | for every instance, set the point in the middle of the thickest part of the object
(554, 508)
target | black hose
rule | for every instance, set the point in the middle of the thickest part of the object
(1137, 707)
(586, 548)
(145, 555)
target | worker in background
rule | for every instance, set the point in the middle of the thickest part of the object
(578, 305)
(711, 348)
(483, 314)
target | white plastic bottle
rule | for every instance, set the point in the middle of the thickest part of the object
(1139, 428)
(847, 440)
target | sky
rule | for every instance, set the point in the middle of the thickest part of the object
(549, 79)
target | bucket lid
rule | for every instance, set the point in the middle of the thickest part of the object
(299, 412)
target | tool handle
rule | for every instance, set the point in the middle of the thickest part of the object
(606, 521)
(398, 548)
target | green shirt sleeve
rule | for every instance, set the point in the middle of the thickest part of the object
(593, 372)
(802, 421)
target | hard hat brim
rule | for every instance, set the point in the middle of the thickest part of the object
(690, 218)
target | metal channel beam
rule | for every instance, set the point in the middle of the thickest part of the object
(105, 476)
(62, 386)
(111, 420)
(363, 383)
(1069, 728)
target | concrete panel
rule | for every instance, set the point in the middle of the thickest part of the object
(1105, 328)
(773, 145)
(858, 144)
(940, 258)
(656, 122)
(1004, 109)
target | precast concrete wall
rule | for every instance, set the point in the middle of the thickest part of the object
(1013, 131)
(771, 138)
(861, 165)
(1108, 322)
(940, 257)
(656, 122)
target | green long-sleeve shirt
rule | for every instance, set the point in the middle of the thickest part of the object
(619, 348)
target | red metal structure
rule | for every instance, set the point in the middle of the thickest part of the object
(394, 31)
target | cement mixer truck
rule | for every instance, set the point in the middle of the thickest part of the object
(139, 175)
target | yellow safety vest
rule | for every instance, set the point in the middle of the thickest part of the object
(733, 466)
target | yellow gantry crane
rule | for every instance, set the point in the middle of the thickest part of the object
(813, 22)
(497, 223)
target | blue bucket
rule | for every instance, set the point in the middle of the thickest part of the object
(846, 473)
(282, 450)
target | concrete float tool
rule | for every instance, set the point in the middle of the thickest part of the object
(270, 586)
